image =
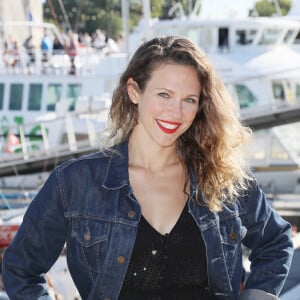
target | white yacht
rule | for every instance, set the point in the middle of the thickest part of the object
(61, 102)
(274, 155)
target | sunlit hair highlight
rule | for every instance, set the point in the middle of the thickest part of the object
(214, 144)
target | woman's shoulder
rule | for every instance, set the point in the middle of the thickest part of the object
(83, 160)
(90, 161)
(248, 196)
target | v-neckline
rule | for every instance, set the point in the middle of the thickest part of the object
(172, 229)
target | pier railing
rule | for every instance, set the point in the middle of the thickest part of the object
(269, 115)
(39, 146)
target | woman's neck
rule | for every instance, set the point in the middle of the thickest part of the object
(146, 154)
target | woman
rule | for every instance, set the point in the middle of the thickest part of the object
(162, 214)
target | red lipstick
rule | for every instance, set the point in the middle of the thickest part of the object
(168, 126)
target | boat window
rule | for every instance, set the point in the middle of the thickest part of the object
(256, 151)
(297, 38)
(244, 37)
(35, 97)
(290, 97)
(288, 36)
(270, 36)
(1, 95)
(53, 95)
(223, 41)
(241, 37)
(278, 152)
(289, 135)
(245, 96)
(278, 91)
(192, 34)
(252, 34)
(170, 30)
(15, 96)
(201, 36)
(297, 91)
(73, 92)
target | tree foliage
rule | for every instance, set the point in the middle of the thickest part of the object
(267, 8)
(89, 15)
(86, 15)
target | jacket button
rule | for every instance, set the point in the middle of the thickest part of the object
(87, 236)
(131, 214)
(233, 235)
(121, 259)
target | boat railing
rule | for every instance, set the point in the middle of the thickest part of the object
(268, 115)
(268, 108)
(82, 132)
(65, 134)
(59, 137)
(58, 62)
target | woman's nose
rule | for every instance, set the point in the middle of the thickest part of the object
(176, 109)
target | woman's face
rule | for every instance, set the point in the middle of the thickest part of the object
(169, 103)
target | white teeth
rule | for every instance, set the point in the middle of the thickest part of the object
(167, 125)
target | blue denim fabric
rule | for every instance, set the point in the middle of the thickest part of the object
(88, 203)
(256, 295)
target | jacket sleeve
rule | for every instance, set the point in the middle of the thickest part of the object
(252, 294)
(37, 244)
(269, 238)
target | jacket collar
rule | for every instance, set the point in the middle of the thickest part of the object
(116, 175)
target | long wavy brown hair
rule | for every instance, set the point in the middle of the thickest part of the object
(214, 144)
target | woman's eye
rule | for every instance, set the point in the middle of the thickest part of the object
(164, 95)
(190, 100)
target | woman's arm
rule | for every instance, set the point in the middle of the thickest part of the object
(36, 245)
(269, 238)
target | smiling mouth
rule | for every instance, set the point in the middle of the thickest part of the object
(167, 126)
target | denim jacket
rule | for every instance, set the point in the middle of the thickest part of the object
(89, 204)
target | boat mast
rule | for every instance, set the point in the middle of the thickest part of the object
(147, 11)
(125, 20)
(277, 7)
(66, 18)
(54, 15)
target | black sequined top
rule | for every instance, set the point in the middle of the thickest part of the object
(167, 267)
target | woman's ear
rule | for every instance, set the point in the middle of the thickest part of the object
(133, 91)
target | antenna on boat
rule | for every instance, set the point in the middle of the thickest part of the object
(178, 6)
(54, 15)
(125, 20)
(197, 9)
(66, 18)
(146, 11)
(277, 7)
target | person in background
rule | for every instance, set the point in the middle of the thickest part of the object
(71, 47)
(46, 48)
(98, 39)
(162, 211)
(30, 49)
(58, 47)
(11, 53)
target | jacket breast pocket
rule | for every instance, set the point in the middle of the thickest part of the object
(232, 233)
(90, 240)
